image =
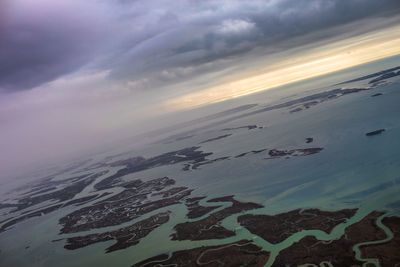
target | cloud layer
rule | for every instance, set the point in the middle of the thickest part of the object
(149, 44)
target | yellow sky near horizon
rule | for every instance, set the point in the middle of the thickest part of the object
(302, 65)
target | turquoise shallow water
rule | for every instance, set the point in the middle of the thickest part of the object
(352, 171)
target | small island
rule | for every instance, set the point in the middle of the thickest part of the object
(215, 138)
(377, 132)
(309, 140)
(277, 153)
(377, 94)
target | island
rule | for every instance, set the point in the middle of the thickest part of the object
(248, 127)
(250, 152)
(277, 153)
(241, 253)
(194, 165)
(215, 138)
(138, 163)
(57, 199)
(196, 210)
(377, 94)
(125, 237)
(210, 227)
(387, 252)
(136, 200)
(377, 132)
(338, 252)
(309, 140)
(276, 228)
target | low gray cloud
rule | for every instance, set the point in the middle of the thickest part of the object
(157, 43)
(187, 39)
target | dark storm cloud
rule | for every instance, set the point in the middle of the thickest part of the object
(156, 43)
(41, 56)
(44, 40)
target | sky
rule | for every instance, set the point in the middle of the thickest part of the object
(78, 74)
